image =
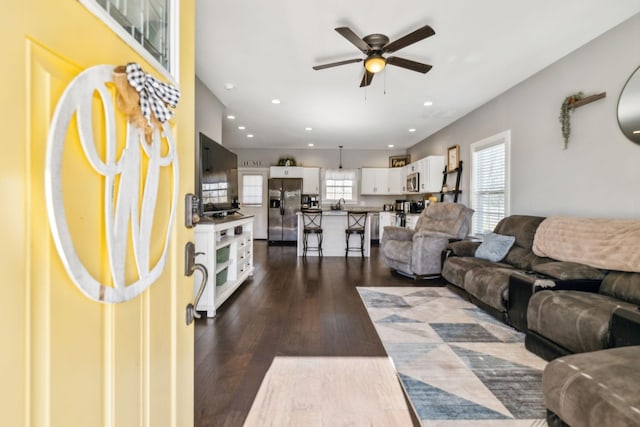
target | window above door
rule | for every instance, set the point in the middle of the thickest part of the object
(148, 26)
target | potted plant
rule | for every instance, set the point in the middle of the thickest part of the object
(287, 161)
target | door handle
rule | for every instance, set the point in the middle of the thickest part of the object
(281, 202)
(190, 266)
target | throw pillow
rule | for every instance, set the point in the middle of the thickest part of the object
(494, 247)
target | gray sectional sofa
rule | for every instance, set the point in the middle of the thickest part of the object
(487, 282)
(583, 314)
(594, 389)
(566, 322)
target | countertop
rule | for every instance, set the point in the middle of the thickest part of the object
(343, 212)
(223, 219)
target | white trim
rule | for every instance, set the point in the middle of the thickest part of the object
(173, 73)
(502, 137)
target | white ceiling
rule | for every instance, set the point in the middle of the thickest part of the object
(480, 49)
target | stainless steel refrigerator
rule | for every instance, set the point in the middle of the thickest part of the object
(284, 201)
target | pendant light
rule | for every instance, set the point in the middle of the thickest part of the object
(340, 165)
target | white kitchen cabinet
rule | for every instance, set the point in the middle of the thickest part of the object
(397, 180)
(430, 169)
(225, 248)
(374, 181)
(286, 172)
(311, 181)
(413, 167)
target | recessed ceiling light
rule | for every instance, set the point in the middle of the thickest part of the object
(275, 101)
(310, 144)
(250, 135)
(308, 128)
(390, 145)
(231, 117)
(412, 130)
(241, 127)
(428, 103)
(229, 86)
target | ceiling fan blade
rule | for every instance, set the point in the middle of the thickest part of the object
(409, 64)
(354, 39)
(335, 64)
(411, 38)
(366, 79)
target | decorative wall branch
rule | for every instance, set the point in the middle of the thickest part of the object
(569, 104)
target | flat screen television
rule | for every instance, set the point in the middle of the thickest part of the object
(216, 178)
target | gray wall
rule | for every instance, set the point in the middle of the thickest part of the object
(599, 173)
(209, 111)
(323, 158)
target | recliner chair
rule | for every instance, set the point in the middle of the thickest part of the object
(417, 252)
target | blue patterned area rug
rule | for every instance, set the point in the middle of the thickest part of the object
(458, 365)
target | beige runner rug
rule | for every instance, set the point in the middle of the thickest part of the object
(330, 391)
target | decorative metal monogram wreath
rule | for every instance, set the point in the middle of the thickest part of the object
(130, 197)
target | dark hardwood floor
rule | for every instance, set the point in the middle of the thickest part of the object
(292, 306)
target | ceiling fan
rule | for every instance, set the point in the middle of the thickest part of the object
(375, 46)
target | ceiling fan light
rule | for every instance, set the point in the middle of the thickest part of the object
(374, 63)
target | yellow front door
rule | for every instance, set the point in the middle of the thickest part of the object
(67, 360)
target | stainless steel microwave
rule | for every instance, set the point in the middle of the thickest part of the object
(413, 182)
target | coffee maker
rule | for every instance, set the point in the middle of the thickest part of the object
(400, 205)
(310, 201)
(416, 207)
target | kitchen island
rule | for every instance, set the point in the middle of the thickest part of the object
(334, 224)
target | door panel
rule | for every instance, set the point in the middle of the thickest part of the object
(261, 213)
(74, 361)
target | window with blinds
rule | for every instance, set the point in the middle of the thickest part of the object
(141, 23)
(340, 184)
(489, 182)
(252, 190)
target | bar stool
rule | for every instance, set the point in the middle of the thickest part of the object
(311, 224)
(356, 224)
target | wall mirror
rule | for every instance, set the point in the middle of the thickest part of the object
(629, 108)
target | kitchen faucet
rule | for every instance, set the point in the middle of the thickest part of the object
(340, 201)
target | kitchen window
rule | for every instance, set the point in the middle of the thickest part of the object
(252, 190)
(490, 182)
(148, 26)
(340, 184)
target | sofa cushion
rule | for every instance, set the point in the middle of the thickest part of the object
(490, 285)
(601, 388)
(455, 268)
(625, 286)
(494, 246)
(577, 321)
(568, 271)
(523, 228)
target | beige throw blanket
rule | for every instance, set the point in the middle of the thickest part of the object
(610, 244)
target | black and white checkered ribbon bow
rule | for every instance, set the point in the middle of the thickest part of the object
(154, 94)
